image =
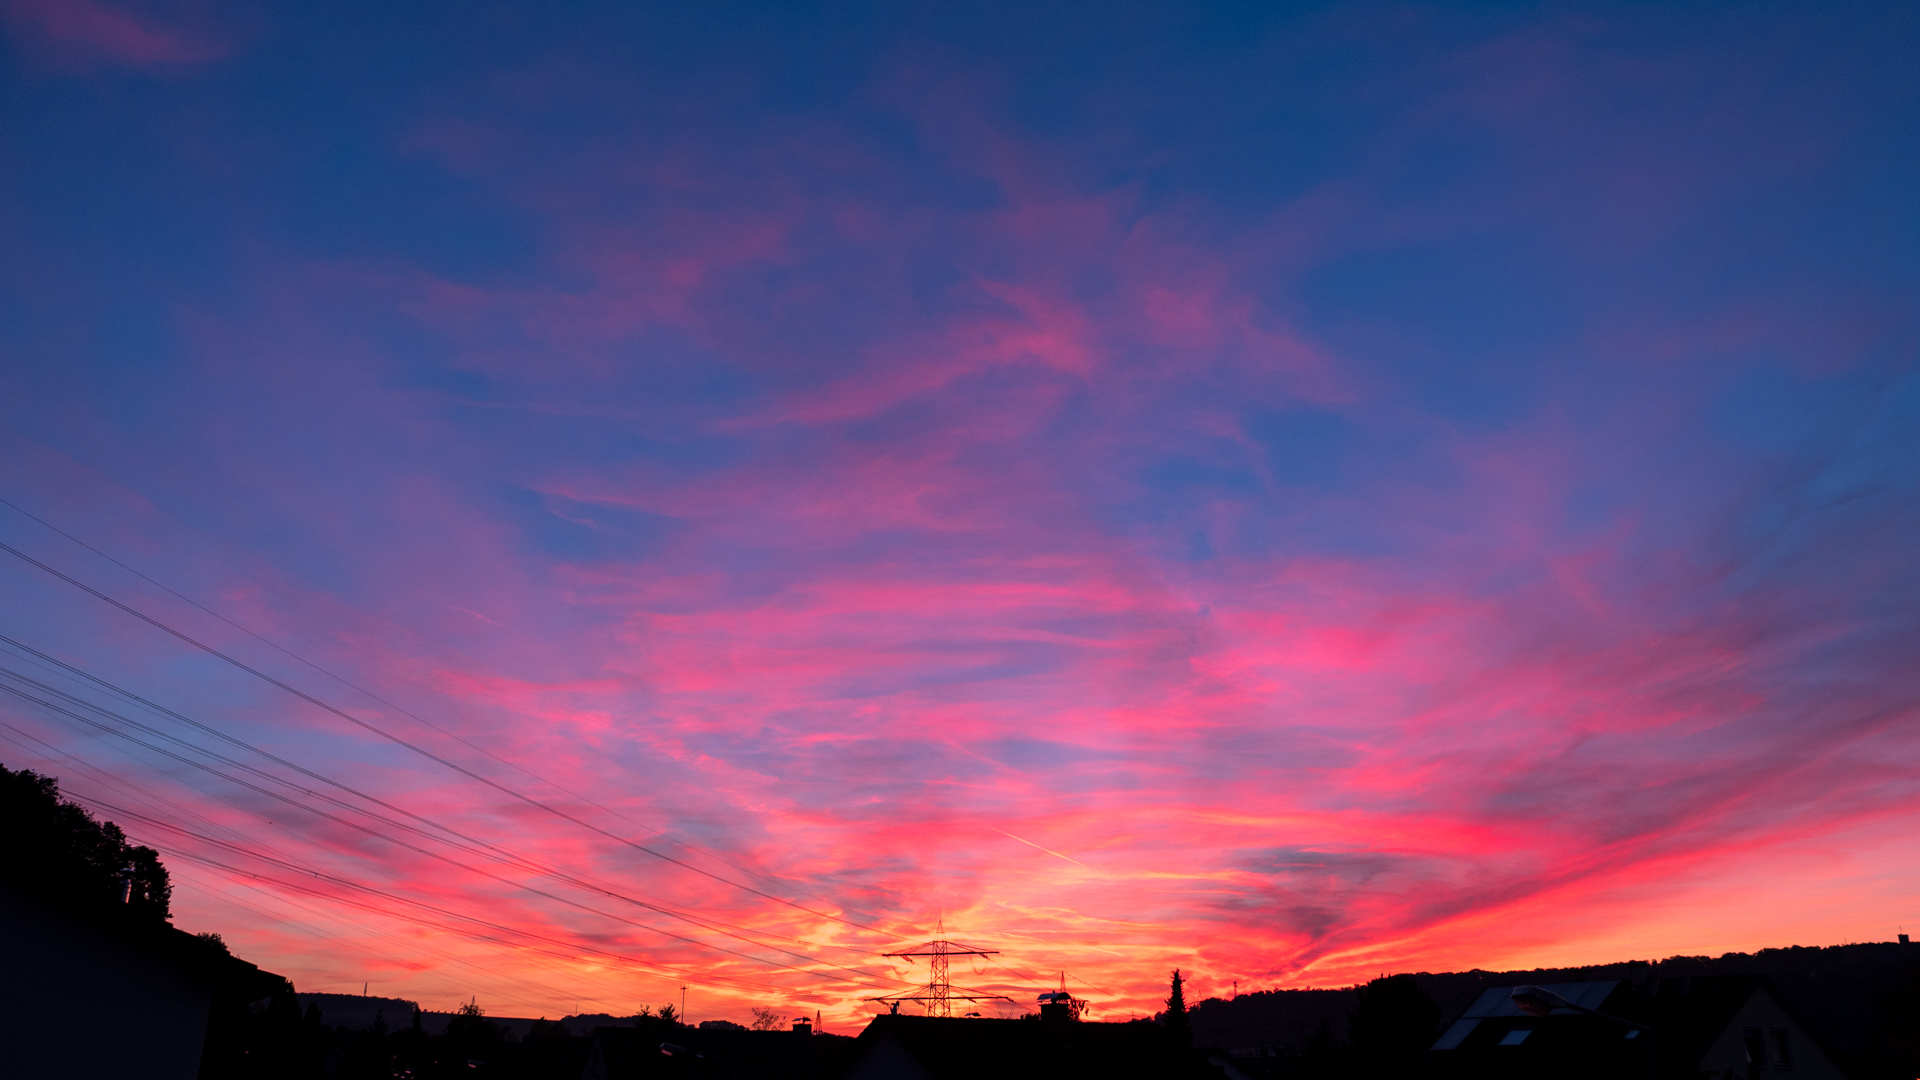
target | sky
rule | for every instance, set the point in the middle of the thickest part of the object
(554, 503)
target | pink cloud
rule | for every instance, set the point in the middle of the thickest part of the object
(1004, 555)
(85, 32)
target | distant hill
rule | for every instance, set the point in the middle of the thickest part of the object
(1275, 1019)
(1863, 999)
(584, 1023)
(357, 1011)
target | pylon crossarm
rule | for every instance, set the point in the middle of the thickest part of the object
(953, 949)
(938, 995)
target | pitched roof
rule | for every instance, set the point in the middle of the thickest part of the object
(1494, 1039)
(941, 1048)
(629, 1053)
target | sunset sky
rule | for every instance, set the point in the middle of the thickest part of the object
(698, 493)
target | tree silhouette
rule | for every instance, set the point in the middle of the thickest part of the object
(1325, 1057)
(1179, 1024)
(470, 1035)
(765, 1019)
(1392, 1024)
(55, 849)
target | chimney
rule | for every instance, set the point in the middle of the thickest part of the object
(803, 1025)
(1903, 939)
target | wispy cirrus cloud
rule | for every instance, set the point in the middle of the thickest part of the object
(1290, 551)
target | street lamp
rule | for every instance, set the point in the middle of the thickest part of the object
(1539, 1001)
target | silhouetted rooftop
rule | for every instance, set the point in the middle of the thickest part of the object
(934, 1048)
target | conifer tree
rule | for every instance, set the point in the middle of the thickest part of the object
(1178, 1024)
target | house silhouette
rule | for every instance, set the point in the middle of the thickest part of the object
(1725, 1027)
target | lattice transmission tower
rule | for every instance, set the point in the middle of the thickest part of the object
(938, 996)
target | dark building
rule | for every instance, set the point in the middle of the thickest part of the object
(83, 997)
(905, 1048)
(935, 1048)
(660, 1052)
(1708, 1028)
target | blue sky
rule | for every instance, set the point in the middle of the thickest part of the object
(1050, 469)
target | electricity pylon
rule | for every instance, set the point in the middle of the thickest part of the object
(938, 996)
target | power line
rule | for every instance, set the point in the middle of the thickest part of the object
(1038, 981)
(50, 752)
(491, 850)
(363, 932)
(400, 843)
(122, 813)
(649, 967)
(139, 792)
(422, 751)
(939, 994)
(342, 680)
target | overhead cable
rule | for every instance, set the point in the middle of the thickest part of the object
(491, 850)
(392, 840)
(344, 681)
(422, 751)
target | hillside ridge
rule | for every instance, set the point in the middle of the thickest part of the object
(1863, 998)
